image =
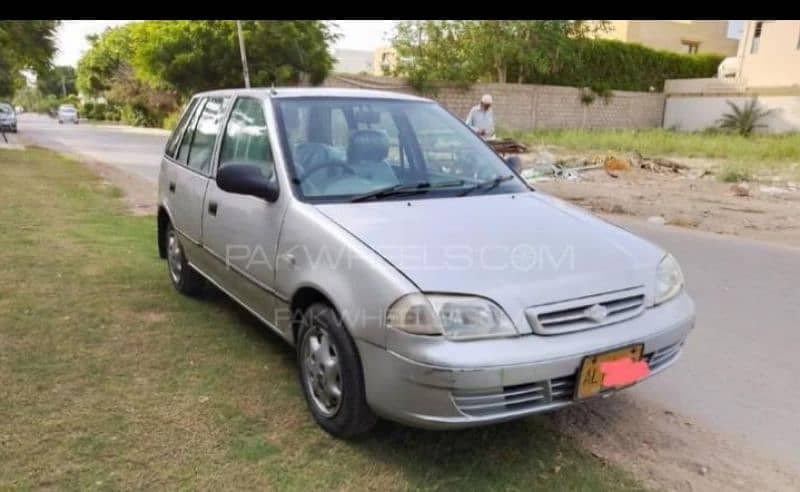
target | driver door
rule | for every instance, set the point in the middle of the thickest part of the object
(241, 232)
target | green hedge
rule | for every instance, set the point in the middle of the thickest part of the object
(607, 64)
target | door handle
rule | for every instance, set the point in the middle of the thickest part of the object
(212, 208)
(172, 187)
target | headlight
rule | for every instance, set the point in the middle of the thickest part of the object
(456, 317)
(669, 279)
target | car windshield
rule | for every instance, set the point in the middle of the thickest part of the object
(350, 149)
(6, 109)
(68, 109)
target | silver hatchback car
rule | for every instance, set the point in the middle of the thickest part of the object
(418, 276)
(67, 113)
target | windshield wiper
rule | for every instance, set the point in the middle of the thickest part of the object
(486, 185)
(405, 189)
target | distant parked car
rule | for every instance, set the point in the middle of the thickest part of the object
(68, 113)
(19, 109)
(8, 118)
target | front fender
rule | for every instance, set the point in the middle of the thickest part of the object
(314, 251)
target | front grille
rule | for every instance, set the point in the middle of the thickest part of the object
(541, 394)
(519, 397)
(577, 314)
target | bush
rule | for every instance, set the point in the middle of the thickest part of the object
(135, 115)
(88, 110)
(744, 120)
(112, 113)
(100, 110)
(608, 64)
(734, 173)
(171, 120)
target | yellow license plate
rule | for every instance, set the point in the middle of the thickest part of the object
(590, 380)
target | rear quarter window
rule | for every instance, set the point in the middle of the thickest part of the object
(175, 138)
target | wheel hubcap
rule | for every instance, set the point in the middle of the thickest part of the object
(321, 371)
(174, 257)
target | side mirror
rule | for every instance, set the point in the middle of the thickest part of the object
(247, 179)
(514, 163)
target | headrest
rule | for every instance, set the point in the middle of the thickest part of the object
(368, 145)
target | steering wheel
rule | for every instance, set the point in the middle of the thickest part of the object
(325, 165)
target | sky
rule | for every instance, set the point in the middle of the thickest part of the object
(356, 34)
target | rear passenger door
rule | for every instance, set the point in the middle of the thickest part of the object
(194, 159)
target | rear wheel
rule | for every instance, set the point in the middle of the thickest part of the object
(184, 278)
(330, 374)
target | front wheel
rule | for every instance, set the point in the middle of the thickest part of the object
(330, 374)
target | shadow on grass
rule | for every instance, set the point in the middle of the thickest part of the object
(525, 453)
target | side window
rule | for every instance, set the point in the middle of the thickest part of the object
(186, 141)
(205, 134)
(174, 139)
(246, 140)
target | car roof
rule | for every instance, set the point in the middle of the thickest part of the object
(294, 92)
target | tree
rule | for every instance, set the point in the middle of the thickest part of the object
(498, 51)
(190, 56)
(58, 81)
(429, 51)
(106, 54)
(24, 45)
(147, 69)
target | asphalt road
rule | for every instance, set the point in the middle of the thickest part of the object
(135, 150)
(740, 373)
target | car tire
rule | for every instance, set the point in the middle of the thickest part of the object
(184, 278)
(60, 122)
(322, 372)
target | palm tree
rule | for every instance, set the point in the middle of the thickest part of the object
(744, 120)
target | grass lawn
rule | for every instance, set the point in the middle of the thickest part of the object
(112, 380)
(756, 154)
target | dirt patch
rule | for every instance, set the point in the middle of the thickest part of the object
(666, 450)
(139, 194)
(693, 198)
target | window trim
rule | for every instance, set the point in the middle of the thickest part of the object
(199, 108)
(225, 110)
(191, 106)
(229, 113)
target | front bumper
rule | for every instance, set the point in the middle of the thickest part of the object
(463, 384)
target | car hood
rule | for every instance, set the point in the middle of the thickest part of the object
(519, 250)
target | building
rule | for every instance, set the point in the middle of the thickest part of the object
(353, 61)
(767, 67)
(769, 54)
(679, 36)
(385, 60)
